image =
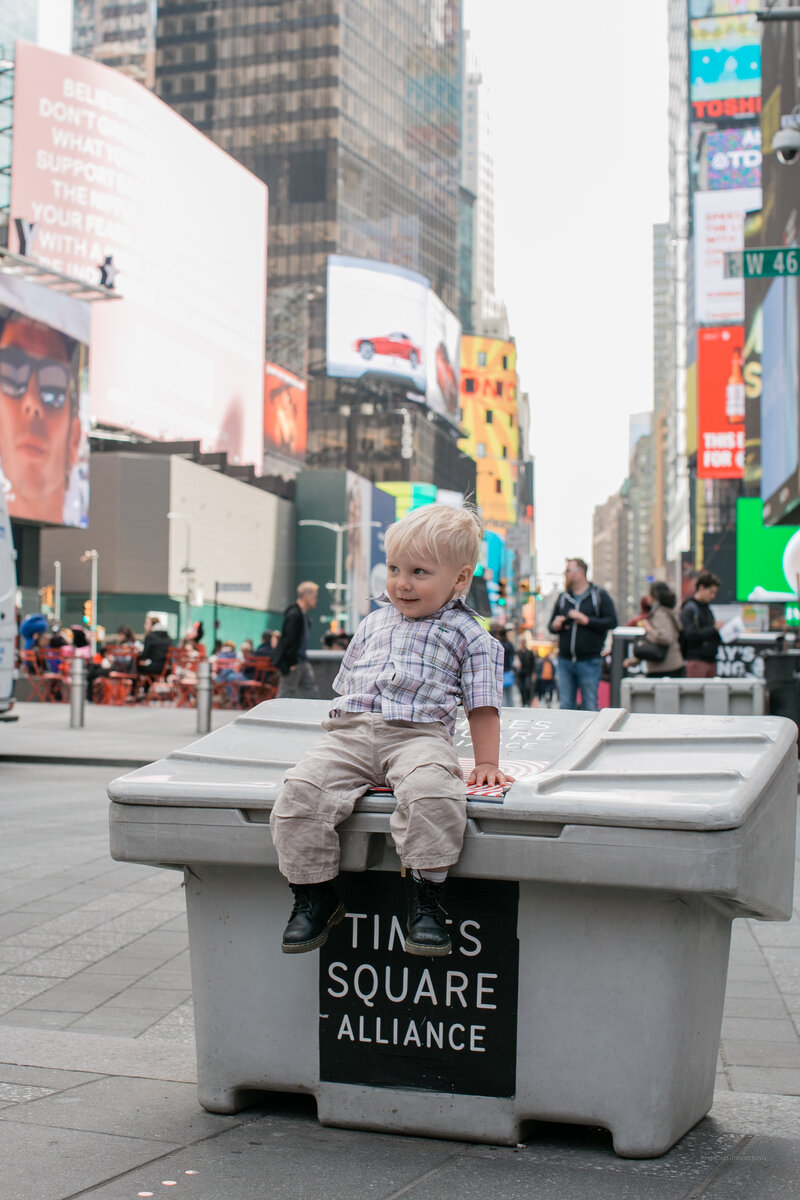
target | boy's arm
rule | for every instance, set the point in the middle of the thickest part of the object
(484, 728)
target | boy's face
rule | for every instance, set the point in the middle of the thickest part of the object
(419, 586)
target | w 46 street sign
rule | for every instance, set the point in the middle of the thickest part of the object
(766, 263)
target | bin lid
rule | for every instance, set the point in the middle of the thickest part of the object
(608, 768)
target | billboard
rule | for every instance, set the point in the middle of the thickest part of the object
(44, 404)
(767, 559)
(385, 325)
(489, 404)
(724, 57)
(285, 413)
(104, 173)
(720, 402)
(719, 227)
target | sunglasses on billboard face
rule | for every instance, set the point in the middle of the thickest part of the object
(52, 378)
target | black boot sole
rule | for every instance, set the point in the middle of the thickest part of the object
(428, 951)
(321, 938)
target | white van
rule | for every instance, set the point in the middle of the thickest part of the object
(8, 611)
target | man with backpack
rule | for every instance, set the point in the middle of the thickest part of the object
(700, 638)
(583, 616)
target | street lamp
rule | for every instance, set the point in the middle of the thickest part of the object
(187, 569)
(339, 586)
(92, 556)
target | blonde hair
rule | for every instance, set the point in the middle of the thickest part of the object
(307, 588)
(439, 532)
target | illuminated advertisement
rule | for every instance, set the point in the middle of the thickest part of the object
(489, 405)
(753, 349)
(780, 440)
(724, 57)
(104, 175)
(731, 158)
(44, 404)
(720, 402)
(767, 559)
(719, 227)
(385, 325)
(285, 413)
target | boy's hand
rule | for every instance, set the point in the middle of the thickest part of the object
(488, 774)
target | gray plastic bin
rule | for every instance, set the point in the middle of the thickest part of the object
(591, 915)
(712, 697)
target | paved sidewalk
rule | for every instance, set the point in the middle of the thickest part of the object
(97, 1068)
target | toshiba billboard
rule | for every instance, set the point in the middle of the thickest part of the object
(106, 175)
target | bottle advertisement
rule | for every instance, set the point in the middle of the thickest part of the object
(720, 402)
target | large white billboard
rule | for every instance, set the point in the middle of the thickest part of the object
(105, 174)
(385, 324)
(719, 227)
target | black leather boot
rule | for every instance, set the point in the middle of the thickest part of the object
(316, 910)
(426, 931)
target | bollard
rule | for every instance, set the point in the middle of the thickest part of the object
(77, 693)
(203, 696)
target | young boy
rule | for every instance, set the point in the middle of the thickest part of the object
(402, 677)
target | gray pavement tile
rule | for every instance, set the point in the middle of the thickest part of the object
(44, 1076)
(773, 1080)
(75, 995)
(155, 1110)
(750, 1113)
(39, 1166)
(766, 1167)
(29, 1019)
(755, 1006)
(751, 987)
(55, 964)
(752, 970)
(756, 1029)
(20, 1093)
(18, 989)
(743, 1053)
(785, 966)
(122, 1022)
(12, 956)
(16, 921)
(177, 1026)
(148, 998)
(774, 934)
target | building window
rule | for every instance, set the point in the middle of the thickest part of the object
(307, 176)
(481, 358)
(505, 451)
(498, 486)
(469, 384)
(480, 450)
(489, 416)
(499, 387)
(505, 362)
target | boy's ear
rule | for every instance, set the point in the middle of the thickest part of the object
(464, 577)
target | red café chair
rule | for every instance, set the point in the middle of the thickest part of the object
(119, 685)
(162, 689)
(38, 676)
(263, 685)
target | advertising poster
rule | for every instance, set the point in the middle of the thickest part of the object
(780, 436)
(753, 349)
(767, 559)
(489, 404)
(285, 413)
(719, 227)
(385, 325)
(720, 403)
(105, 175)
(44, 404)
(724, 57)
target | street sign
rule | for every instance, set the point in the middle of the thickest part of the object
(234, 587)
(766, 263)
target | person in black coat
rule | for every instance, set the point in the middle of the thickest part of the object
(700, 637)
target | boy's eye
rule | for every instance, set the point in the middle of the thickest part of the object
(420, 571)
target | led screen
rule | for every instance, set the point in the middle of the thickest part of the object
(105, 174)
(44, 404)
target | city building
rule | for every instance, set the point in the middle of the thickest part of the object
(488, 312)
(610, 537)
(119, 33)
(350, 114)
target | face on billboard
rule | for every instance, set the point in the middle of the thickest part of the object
(444, 358)
(285, 413)
(103, 169)
(720, 403)
(42, 440)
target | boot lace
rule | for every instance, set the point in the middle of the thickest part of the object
(302, 900)
(428, 902)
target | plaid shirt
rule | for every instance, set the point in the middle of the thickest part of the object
(420, 670)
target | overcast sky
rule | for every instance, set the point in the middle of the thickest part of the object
(578, 96)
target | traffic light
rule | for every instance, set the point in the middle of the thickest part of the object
(501, 592)
(87, 613)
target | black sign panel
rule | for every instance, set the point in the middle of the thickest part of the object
(392, 1019)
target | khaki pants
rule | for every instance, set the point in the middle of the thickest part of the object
(360, 750)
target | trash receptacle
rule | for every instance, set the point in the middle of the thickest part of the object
(591, 913)
(713, 697)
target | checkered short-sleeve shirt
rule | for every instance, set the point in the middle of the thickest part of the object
(420, 670)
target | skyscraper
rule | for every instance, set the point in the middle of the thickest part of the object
(350, 113)
(119, 33)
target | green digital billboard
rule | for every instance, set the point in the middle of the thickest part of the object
(767, 558)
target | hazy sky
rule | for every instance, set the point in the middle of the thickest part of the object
(578, 95)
